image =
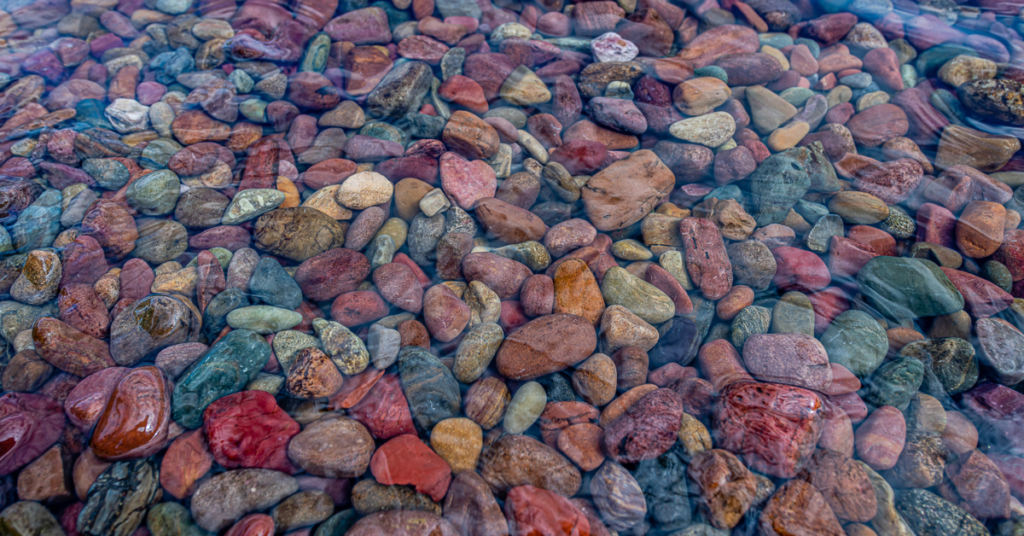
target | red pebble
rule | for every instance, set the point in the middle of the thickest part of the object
(800, 270)
(828, 304)
(249, 429)
(846, 257)
(773, 428)
(405, 460)
(936, 225)
(982, 298)
(534, 511)
(384, 411)
(253, 525)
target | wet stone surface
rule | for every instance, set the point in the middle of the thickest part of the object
(488, 268)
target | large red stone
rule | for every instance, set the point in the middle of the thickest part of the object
(82, 261)
(332, 273)
(800, 270)
(405, 460)
(647, 429)
(532, 511)
(135, 421)
(774, 428)
(29, 425)
(384, 411)
(248, 429)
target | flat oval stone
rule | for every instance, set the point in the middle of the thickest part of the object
(230, 495)
(68, 349)
(263, 319)
(545, 345)
(332, 447)
(332, 273)
(788, 358)
(516, 460)
(619, 287)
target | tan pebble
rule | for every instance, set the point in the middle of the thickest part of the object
(459, 442)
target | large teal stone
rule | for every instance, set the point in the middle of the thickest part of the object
(230, 364)
(907, 288)
(855, 341)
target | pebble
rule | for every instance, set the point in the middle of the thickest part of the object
(229, 496)
(525, 407)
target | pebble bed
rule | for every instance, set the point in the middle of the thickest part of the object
(494, 268)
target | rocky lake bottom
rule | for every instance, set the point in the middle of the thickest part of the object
(506, 268)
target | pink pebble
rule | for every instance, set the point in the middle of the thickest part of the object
(469, 23)
(149, 93)
(104, 43)
(881, 438)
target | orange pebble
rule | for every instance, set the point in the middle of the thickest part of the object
(732, 303)
(291, 193)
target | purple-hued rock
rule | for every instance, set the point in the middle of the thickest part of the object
(365, 26)
(998, 412)
(790, 358)
(29, 424)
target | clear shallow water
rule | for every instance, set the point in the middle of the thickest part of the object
(454, 267)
